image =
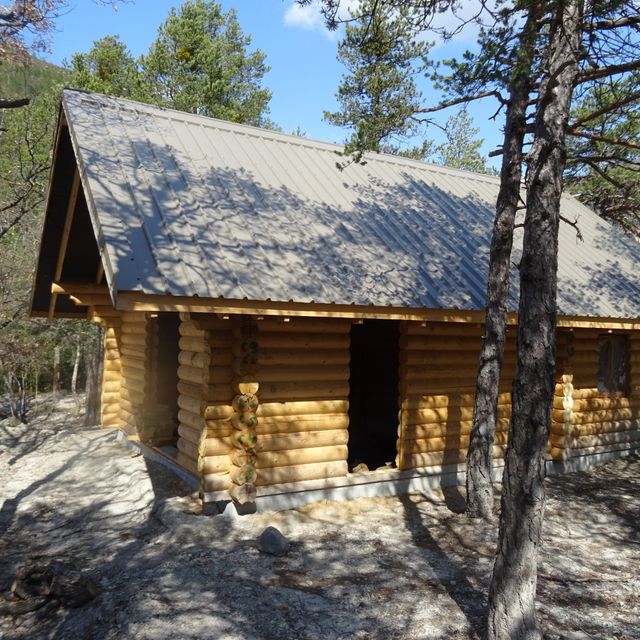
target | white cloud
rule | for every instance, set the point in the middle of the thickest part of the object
(310, 18)
(307, 17)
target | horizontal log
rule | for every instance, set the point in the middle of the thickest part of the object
(134, 316)
(559, 440)
(219, 393)
(217, 446)
(441, 430)
(135, 386)
(316, 407)
(439, 458)
(131, 373)
(303, 341)
(209, 322)
(302, 373)
(304, 423)
(302, 357)
(603, 415)
(187, 463)
(447, 443)
(192, 390)
(111, 377)
(111, 354)
(194, 344)
(194, 436)
(290, 457)
(222, 374)
(194, 359)
(216, 482)
(132, 351)
(111, 421)
(442, 329)
(216, 464)
(134, 363)
(192, 420)
(598, 403)
(219, 428)
(605, 427)
(193, 405)
(301, 440)
(112, 342)
(136, 339)
(112, 386)
(582, 392)
(298, 473)
(446, 414)
(453, 343)
(134, 328)
(284, 391)
(195, 375)
(450, 400)
(189, 449)
(304, 325)
(603, 439)
(190, 329)
(218, 411)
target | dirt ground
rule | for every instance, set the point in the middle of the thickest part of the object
(406, 568)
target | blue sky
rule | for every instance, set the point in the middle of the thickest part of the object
(304, 72)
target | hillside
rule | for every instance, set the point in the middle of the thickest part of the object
(28, 78)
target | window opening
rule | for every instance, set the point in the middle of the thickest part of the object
(613, 358)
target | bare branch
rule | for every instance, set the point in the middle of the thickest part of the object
(14, 104)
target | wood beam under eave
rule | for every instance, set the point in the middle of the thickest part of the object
(79, 288)
(71, 208)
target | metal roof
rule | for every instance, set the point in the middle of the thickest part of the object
(191, 206)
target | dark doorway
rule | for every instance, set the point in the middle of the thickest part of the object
(163, 384)
(373, 394)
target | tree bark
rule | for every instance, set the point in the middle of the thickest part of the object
(55, 378)
(76, 365)
(511, 612)
(95, 366)
(479, 454)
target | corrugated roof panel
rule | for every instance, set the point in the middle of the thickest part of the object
(194, 206)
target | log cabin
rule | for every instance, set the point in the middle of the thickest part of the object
(282, 331)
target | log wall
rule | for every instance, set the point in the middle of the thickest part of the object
(301, 378)
(204, 400)
(594, 420)
(111, 377)
(133, 354)
(438, 368)
(303, 417)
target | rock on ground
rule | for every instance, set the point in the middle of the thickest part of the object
(391, 568)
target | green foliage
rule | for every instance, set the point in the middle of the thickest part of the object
(603, 173)
(378, 96)
(462, 148)
(26, 139)
(108, 67)
(199, 63)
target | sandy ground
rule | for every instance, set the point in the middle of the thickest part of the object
(410, 567)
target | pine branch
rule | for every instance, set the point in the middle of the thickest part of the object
(596, 138)
(606, 109)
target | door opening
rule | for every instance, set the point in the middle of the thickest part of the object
(164, 336)
(373, 394)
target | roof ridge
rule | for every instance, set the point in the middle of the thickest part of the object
(280, 136)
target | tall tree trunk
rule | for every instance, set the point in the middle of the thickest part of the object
(511, 611)
(76, 366)
(55, 378)
(485, 411)
(95, 366)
